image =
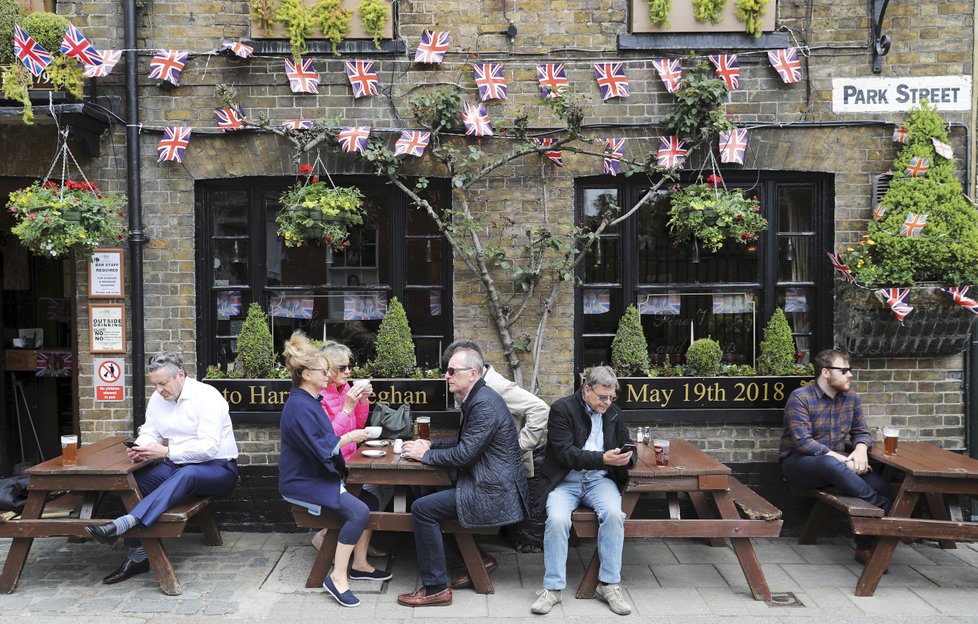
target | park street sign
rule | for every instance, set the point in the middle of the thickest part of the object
(878, 95)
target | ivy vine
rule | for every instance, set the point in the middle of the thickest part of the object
(373, 17)
(659, 12)
(750, 12)
(709, 10)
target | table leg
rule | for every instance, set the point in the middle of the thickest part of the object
(883, 552)
(161, 565)
(323, 560)
(704, 512)
(744, 550)
(590, 581)
(947, 508)
(473, 563)
(20, 547)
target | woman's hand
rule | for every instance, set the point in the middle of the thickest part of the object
(358, 435)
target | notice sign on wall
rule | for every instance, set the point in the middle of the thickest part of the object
(877, 95)
(110, 379)
(105, 275)
(107, 328)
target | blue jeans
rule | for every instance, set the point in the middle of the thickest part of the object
(428, 512)
(600, 494)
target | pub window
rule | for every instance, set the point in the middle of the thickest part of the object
(338, 295)
(684, 294)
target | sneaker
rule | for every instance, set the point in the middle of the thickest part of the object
(376, 575)
(546, 601)
(346, 599)
(615, 599)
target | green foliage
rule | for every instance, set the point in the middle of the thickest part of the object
(263, 12)
(335, 21)
(700, 111)
(299, 21)
(48, 29)
(10, 14)
(659, 12)
(256, 355)
(704, 357)
(437, 109)
(709, 10)
(16, 86)
(318, 212)
(395, 348)
(711, 214)
(373, 17)
(778, 347)
(750, 12)
(629, 349)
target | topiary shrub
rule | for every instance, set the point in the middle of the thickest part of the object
(777, 347)
(704, 357)
(629, 349)
(395, 348)
(256, 355)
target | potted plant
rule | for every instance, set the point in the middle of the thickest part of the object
(629, 349)
(777, 348)
(708, 213)
(53, 220)
(315, 211)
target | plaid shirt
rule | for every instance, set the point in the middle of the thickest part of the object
(815, 423)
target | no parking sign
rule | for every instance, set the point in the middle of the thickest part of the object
(110, 379)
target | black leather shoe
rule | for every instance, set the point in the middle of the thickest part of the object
(128, 569)
(103, 533)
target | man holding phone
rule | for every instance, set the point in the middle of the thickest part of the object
(589, 452)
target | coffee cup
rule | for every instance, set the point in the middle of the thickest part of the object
(374, 432)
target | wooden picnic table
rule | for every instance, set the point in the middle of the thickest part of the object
(103, 467)
(715, 495)
(937, 475)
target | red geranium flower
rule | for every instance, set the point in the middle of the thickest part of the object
(305, 169)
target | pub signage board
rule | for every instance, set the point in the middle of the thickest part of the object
(721, 393)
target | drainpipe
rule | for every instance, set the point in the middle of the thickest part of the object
(971, 361)
(136, 235)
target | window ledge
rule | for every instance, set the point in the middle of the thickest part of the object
(273, 47)
(696, 41)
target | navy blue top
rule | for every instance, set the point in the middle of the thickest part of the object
(309, 467)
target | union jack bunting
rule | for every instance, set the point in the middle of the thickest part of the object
(433, 46)
(230, 119)
(362, 78)
(297, 124)
(611, 80)
(239, 49)
(960, 296)
(785, 62)
(557, 156)
(552, 78)
(900, 134)
(943, 149)
(614, 149)
(30, 52)
(75, 45)
(897, 298)
(166, 65)
(728, 69)
(476, 120)
(109, 60)
(879, 211)
(913, 225)
(672, 152)
(302, 77)
(354, 139)
(490, 80)
(670, 71)
(840, 267)
(733, 146)
(412, 143)
(917, 167)
(174, 144)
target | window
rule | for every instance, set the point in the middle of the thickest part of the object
(684, 294)
(398, 251)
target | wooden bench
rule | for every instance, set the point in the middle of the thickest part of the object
(856, 510)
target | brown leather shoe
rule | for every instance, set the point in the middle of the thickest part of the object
(463, 581)
(420, 599)
(863, 555)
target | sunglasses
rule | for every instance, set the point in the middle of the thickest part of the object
(450, 371)
(845, 370)
(343, 367)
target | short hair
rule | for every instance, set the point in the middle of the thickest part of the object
(472, 358)
(335, 351)
(300, 353)
(460, 344)
(825, 358)
(169, 360)
(601, 376)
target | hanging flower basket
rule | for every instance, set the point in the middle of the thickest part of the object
(711, 214)
(317, 212)
(54, 220)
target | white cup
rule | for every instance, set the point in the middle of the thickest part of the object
(398, 445)
(374, 432)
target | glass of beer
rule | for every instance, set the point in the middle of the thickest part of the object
(661, 448)
(69, 450)
(891, 435)
(424, 427)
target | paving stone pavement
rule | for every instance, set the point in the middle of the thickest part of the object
(260, 577)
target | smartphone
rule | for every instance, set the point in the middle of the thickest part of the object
(130, 443)
(627, 448)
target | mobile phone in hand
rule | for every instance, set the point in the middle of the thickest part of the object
(130, 443)
(627, 448)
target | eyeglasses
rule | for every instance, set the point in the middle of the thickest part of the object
(603, 398)
(450, 371)
(845, 370)
(343, 367)
(321, 370)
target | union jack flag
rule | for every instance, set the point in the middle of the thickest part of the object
(897, 298)
(879, 211)
(670, 71)
(433, 46)
(490, 80)
(354, 139)
(166, 65)
(728, 69)
(109, 60)
(840, 267)
(362, 78)
(302, 77)
(614, 149)
(917, 167)
(476, 120)
(900, 134)
(960, 296)
(943, 149)
(174, 144)
(611, 80)
(239, 49)
(412, 143)
(75, 45)
(297, 124)
(53, 363)
(30, 52)
(733, 146)
(230, 119)
(672, 152)
(552, 78)
(785, 62)
(913, 225)
(557, 156)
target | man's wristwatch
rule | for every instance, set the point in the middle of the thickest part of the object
(167, 452)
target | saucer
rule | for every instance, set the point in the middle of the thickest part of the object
(376, 442)
(370, 453)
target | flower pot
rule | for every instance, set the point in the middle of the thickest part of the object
(72, 216)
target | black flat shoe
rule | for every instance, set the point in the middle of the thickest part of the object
(103, 533)
(129, 568)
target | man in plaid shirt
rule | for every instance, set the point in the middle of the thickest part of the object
(819, 419)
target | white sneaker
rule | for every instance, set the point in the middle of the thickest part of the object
(613, 596)
(546, 601)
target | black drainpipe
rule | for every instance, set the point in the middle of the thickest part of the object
(136, 237)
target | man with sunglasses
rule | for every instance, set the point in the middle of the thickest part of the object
(819, 420)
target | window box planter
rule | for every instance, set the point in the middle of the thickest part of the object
(681, 19)
(278, 31)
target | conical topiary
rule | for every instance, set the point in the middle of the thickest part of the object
(394, 346)
(704, 357)
(256, 355)
(777, 347)
(629, 349)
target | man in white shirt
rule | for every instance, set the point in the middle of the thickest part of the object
(198, 458)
